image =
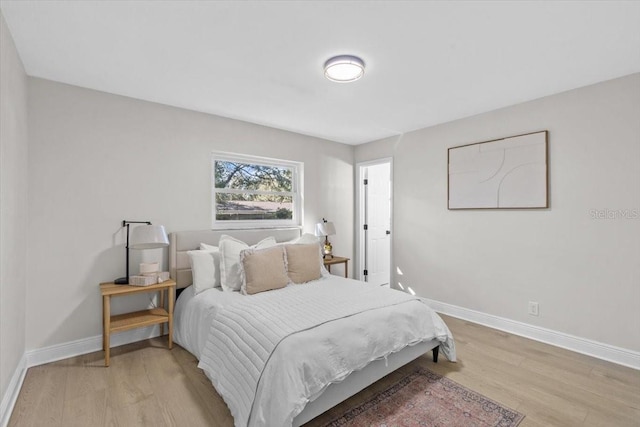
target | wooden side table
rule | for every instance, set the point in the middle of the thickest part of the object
(137, 319)
(328, 262)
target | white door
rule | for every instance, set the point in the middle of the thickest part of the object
(377, 223)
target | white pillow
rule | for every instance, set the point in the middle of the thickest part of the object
(206, 247)
(230, 268)
(202, 269)
(215, 253)
(305, 239)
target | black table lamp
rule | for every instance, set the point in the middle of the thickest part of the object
(145, 236)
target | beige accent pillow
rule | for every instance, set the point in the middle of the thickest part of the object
(263, 270)
(303, 262)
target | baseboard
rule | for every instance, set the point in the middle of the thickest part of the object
(620, 356)
(87, 345)
(64, 351)
(53, 353)
(11, 395)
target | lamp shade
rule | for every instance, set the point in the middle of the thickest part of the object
(325, 229)
(149, 237)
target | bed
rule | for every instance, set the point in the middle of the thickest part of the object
(282, 379)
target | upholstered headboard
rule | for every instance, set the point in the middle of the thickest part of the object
(182, 241)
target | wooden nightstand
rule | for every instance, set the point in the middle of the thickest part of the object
(328, 262)
(137, 319)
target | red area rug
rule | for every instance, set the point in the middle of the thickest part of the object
(424, 398)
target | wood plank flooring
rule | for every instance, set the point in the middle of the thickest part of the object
(149, 385)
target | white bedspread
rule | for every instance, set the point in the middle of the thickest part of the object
(194, 313)
(271, 353)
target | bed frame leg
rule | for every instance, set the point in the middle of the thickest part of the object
(436, 350)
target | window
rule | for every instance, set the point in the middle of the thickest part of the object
(253, 191)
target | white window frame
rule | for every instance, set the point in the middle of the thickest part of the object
(296, 193)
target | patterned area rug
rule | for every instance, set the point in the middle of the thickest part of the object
(424, 398)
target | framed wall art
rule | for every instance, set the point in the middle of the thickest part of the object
(507, 173)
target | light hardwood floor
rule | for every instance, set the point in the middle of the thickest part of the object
(149, 385)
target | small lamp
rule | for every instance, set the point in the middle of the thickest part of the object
(147, 236)
(326, 229)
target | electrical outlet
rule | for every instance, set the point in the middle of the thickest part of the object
(533, 308)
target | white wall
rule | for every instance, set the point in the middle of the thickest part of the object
(96, 159)
(13, 207)
(584, 272)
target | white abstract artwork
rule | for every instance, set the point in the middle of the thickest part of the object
(507, 173)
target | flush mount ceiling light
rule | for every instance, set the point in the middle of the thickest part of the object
(344, 68)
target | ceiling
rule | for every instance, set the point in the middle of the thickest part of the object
(261, 61)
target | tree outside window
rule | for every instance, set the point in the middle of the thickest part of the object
(255, 191)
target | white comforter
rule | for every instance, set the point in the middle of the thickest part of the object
(271, 353)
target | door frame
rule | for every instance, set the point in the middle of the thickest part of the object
(359, 219)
